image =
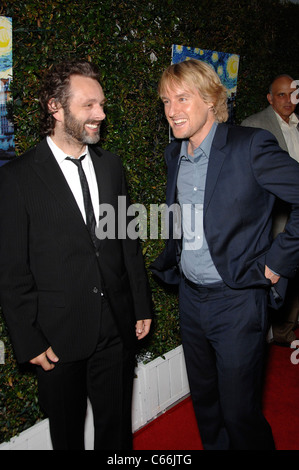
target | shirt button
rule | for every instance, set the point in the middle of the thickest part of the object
(195, 188)
(95, 290)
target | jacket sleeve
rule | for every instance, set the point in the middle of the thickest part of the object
(278, 173)
(18, 296)
(134, 262)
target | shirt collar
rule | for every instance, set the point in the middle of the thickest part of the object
(204, 147)
(293, 120)
(58, 153)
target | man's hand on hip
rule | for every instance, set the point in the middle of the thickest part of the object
(274, 278)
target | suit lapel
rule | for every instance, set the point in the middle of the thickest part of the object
(101, 172)
(274, 127)
(46, 166)
(216, 159)
(173, 169)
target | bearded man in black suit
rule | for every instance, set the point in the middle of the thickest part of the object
(75, 304)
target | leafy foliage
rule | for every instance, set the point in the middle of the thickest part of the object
(131, 42)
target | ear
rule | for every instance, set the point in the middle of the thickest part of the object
(269, 98)
(55, 109)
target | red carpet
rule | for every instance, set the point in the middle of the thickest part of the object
(176, 429)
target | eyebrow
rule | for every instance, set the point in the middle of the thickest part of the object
(93, 100)
(180, 95)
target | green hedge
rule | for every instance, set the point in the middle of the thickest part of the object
(131, 42)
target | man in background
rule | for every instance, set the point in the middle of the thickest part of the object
(74, 303)
(281, 120)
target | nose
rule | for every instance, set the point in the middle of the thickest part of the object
(171, 109)
(99, 112)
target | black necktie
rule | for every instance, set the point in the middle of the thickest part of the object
(90, 217)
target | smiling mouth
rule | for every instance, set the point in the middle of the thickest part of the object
(93, 127)
(179, 122)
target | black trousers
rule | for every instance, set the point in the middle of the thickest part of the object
(106, 378)
(224, 340)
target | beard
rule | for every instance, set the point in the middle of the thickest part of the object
(76, 129)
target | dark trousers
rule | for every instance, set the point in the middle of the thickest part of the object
(106, 378)
(224, 338)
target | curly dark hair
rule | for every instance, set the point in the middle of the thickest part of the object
(56, 86)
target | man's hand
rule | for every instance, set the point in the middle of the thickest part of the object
(43, 359)
(274, 278)
(142, 328)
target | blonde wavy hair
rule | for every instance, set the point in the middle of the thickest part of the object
(195, 73)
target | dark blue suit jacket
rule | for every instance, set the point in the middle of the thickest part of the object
(246, 171)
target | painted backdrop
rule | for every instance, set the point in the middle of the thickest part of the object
(6, 126)
(225, 64)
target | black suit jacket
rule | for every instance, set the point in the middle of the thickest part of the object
(51, 276)
(246, 170)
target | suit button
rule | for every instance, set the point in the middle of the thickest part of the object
(97, 254)
(95, 290)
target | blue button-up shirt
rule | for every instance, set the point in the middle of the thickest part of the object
(196, 261)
